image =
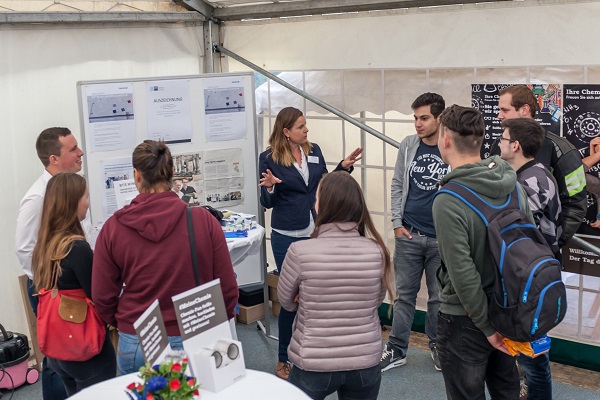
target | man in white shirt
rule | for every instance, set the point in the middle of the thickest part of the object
(59, 152)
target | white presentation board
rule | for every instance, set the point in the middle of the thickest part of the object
(209, 123)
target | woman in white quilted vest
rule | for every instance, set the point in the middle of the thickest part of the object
(336, 281)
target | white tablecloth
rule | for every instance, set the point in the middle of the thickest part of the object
(256, 385)
(240, 248)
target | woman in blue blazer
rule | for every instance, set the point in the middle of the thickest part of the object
(291, 169)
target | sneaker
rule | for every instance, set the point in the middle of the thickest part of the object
(436, 358)
(283, 370)
(391, 358)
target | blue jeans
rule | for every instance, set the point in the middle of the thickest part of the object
(411, 258)
(469, 362)
(539, 378)
(279, 245)
(129, 354)
(362, 384)
(77, 375)
(53, 387)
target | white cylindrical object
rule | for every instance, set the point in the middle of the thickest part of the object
(212, 353)
(228, 348)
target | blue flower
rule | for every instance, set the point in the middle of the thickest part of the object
(156, 367)
(156, 383)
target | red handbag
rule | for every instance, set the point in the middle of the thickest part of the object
(68, 325)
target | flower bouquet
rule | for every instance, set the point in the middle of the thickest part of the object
(164, 381)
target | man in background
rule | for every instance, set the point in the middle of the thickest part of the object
(520, 142)
(556, 154)
(419, 167)
(58, 151)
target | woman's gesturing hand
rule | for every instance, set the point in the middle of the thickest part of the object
(268, 179)
(352, 158)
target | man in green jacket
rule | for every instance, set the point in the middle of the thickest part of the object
(471, 351)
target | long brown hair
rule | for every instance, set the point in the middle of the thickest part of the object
(341, 200)
(59, 226)
(281, 152)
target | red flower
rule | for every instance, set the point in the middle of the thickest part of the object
(139, 387)
(185, 360)
(149, 396)
(191, 382)
(176, 367)
(196, 393)
(131, 386)
(174, 384)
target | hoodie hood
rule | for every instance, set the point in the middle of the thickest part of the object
(153, 215)
(493, 177)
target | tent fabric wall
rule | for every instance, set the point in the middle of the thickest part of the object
(497, 35)
(40, 67)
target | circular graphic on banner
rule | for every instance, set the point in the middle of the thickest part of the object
(587, 125)
(477, 103)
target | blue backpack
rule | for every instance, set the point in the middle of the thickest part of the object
(529, 296)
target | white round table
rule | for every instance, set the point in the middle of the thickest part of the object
(240, 248)
(256, 385)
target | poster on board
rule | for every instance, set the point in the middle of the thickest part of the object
(114, 170)
(168, 111)
(224, 109)
(485, 97)
(581, 127)
(109, 121)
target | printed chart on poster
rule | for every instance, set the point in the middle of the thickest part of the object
(208, 122)
(581, 127)
(485, 97)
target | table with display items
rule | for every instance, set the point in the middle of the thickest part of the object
(242, 247)
(252, 386)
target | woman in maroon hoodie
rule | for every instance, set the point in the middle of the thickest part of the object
(143, 254)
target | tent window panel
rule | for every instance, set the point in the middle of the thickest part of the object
(373, 150)
(328, 135)
(593, 74)
(397, 131)
(363, 93)
(375, 198)
(326, 86)
(502, 75)
(556, 75)
(401, 88)
(453, 84)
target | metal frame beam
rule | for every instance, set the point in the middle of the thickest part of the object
(318, 7)
(200, 6)
(104, 17)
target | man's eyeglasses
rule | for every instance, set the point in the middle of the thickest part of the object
(509, 140)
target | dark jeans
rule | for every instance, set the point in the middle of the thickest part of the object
(52, 386)
(539, 378)
(280, 244)
(362, 384)
(77, 375)
(469, 362)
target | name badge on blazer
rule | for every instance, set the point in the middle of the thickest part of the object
(313, 159)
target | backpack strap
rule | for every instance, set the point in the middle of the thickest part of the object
(481, 207)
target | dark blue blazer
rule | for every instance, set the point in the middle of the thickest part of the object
(292, 199)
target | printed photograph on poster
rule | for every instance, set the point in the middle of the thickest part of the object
(224, 163)
(581, 127)
(224, 192)
(168, 111)
(187, 177)
(114, 170)
(224, 109)
(485, 98)
(110, 116)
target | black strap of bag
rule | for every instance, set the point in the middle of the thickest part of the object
(190, 225)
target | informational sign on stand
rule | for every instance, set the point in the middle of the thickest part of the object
(152, 334)
(485, 97)
(216, 359)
